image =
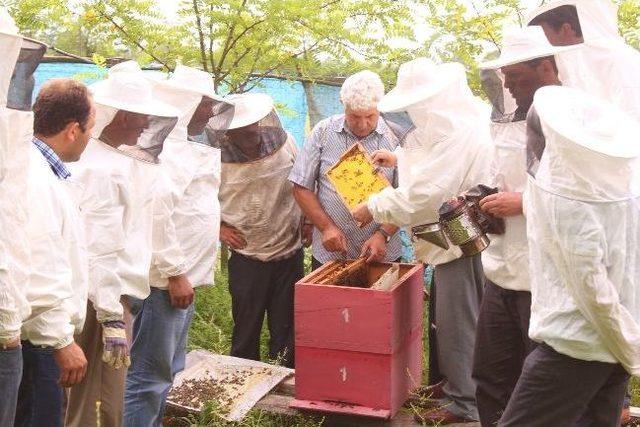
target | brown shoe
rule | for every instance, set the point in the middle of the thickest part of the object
(439, 417)
(625, 417)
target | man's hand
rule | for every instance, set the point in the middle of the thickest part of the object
(375, 248)
(362, 215)
(115, 351)
(72, 364)
(180, 291)
(384, 158)
(307, 235)
(502, 204)
(232, 237)
(334, 240)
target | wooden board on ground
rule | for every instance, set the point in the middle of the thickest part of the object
(278, 402)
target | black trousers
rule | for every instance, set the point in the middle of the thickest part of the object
(502, 344)
(258, 288)
(560, 391)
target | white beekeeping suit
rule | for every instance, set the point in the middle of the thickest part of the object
(119, 171)
(447, 152)
(187, 216)
(16, 129)
(505, 261)
(44, 282)
(604, 65)
(583, 223)
(255, 195)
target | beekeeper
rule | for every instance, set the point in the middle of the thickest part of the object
(261, 223)
(447, 152)
(604, 65)
(25, 174)
(583, 223)
(336, 235)
(526, 64)
(119, 174)
(57, 286)
(16, 133)
(185, 243)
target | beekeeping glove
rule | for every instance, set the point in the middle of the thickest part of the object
(115, 352)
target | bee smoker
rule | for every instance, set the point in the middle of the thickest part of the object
(462, 223)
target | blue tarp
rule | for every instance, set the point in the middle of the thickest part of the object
(288, 95)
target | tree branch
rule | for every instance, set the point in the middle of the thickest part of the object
(130, 38)
(203, 57)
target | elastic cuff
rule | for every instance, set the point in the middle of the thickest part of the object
(63, 343)
(174, 271)
(108, 317)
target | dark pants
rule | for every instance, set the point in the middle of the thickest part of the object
(259, 287)
(560, 391)
(459, 284)
(502, 344)
(435, 376)
(10, 375)
(40, 396)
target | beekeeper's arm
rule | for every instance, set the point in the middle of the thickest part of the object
(596, 297)
(10, 320)
(304, 175)
(168, 256)
(104, 207)
(436, 174)
(104, 217)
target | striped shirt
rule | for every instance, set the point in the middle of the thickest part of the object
(328, 141)
(56, 165)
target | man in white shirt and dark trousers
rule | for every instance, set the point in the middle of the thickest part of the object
(502, 343)
(57, 291)
(583, 221)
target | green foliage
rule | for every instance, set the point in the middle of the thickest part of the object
(242, 41)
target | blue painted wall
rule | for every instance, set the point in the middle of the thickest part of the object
(287, 94)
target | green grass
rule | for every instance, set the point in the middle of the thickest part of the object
(211, 330)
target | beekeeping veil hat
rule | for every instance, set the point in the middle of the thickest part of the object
(520, 45)
(193, 92)
(604, 65)
(21, 57)
(429, 100)
(255, 131)
(444, 148)
(591, 151)
(597, 19)
(130, 118)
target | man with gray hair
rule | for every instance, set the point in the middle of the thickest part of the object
(336, 233)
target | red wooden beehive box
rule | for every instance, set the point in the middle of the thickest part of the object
(358, 350)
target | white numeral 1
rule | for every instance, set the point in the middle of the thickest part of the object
(345, 315)
(343, 371)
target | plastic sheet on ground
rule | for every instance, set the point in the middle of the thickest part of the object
(241, 383)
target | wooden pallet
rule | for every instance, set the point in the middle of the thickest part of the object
(278, 402)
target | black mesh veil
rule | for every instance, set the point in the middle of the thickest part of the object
(249, 143)
(22, 81)
(138, 135)
(219, 116)
(400, 124)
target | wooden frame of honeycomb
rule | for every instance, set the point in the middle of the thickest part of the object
(355, 177)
